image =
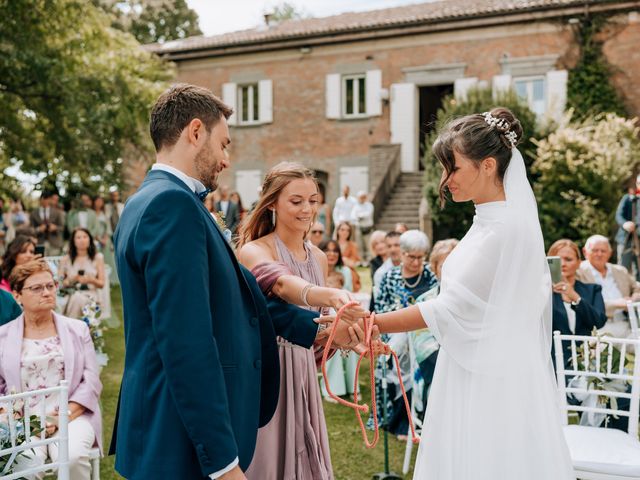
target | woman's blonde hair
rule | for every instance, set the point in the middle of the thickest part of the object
(259, 222)
(376, 236)
(562, 243)
(440, 250)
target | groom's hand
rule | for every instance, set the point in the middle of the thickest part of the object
(235, 474)
(346, 335)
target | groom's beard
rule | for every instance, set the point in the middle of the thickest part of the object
(206, 167)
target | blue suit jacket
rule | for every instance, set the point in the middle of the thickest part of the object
(590, 314)
(201, 368)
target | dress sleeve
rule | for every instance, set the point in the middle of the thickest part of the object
(457, 317)
(267, 274)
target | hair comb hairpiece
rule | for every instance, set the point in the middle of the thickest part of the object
(502, 126)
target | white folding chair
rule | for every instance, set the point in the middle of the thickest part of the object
(634, 312)
(600, 453)
(8, 403)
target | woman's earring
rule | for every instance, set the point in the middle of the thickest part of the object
(273, 217)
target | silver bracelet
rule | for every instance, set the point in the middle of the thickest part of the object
(305, 292)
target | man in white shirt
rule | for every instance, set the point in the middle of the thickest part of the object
(618, 285)
(343, 207)
(362, 220)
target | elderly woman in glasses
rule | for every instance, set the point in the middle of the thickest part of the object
(400, 287)
(38, 350)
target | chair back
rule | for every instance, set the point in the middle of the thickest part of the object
(634, 312)
(599, 358)
(19, 435)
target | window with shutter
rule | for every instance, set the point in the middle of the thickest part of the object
(354, 96)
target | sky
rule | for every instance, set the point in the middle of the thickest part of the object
(217, 16)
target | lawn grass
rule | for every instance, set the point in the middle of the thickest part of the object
(351, 460)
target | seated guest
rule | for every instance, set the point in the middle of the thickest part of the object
(9, 308)
(21, 250)
(38, 350)
(316, 234)
(618, 285)
(578, 307)
(394, 258)
(401, 285)
(336, 263)
(82, 272)
(399, 288)
(378, 249)
(348, 247)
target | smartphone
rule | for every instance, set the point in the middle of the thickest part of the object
(39, 250)
(555, 267)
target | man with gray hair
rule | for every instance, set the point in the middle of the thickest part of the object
(618, 285)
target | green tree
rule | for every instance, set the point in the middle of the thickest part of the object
(582, 169)
(589, 89)
(153, 21)
(287, 11)
(74, 92)
(455, 218)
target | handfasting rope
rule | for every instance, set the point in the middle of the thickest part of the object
(368, 329)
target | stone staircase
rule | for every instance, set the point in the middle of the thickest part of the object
(403, 203)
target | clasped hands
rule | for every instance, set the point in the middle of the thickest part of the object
(350, 333)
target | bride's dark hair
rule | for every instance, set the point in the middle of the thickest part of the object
(476, 139)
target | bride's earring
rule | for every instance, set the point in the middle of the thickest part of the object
(273, 217)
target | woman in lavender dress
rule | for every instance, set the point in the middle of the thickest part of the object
(294, 444)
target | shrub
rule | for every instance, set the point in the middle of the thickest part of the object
(582, 168)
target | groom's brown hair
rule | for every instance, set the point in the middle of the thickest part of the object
(180, 104)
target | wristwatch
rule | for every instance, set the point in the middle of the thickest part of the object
(577, 302)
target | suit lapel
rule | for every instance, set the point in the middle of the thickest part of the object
(232, 255)
(163, 175)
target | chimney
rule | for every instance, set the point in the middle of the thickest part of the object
(267, 19)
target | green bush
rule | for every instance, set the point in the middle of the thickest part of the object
(455, 218)
(582, 168)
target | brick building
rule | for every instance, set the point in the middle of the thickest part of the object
(350, 95)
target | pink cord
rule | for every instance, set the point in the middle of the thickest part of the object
(368, 330)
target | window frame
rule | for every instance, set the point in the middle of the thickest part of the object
(355, 77)
(253, 107)
(529, 80)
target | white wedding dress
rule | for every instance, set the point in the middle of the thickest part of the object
(493, 410)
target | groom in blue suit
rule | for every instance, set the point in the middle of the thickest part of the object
(201, 368)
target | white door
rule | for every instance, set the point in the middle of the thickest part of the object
(247, 184)
(356, 177)
(404, 123)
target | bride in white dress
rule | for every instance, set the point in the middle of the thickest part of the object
(493, 411)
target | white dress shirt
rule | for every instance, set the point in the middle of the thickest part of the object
(362, 215)
(610, 290)
(195, 186)
(342, 209)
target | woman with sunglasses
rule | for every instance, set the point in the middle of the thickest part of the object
(41, 348)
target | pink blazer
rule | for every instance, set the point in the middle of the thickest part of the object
(80, 365)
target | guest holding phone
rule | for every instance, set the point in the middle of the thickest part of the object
(82, 273)
(578, 307)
